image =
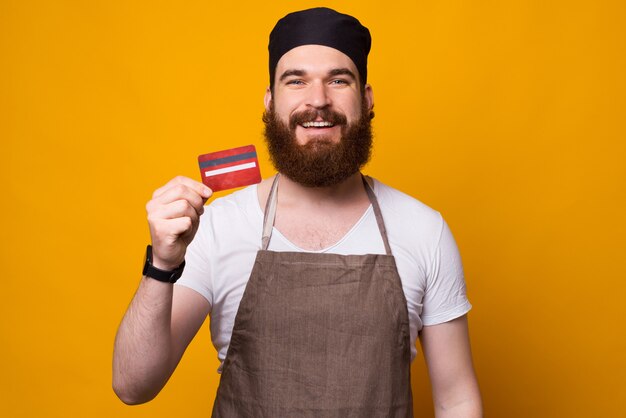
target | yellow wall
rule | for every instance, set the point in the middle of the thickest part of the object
(507, 116)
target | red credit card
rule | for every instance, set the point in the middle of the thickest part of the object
(235, 167)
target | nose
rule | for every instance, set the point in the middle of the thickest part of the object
(318, 96)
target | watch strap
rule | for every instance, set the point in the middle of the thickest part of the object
(167, 276)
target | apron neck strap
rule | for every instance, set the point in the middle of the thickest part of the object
(270, 214)
(378, 214)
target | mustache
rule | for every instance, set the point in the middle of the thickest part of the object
(310, 115)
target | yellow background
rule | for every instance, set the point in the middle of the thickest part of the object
(507, 116)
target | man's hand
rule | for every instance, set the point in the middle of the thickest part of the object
(173, 217)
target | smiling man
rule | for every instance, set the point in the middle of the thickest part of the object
(318, 124)
(318, 280)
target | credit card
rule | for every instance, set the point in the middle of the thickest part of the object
(235, 167)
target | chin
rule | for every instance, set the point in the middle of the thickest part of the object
(313, 140)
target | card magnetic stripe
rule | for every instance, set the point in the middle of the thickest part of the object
(225, 160)
(229, 169)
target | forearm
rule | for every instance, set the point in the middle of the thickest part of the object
(142, 357)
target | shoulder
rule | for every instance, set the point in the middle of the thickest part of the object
(239, 208)
(240, 199)
(407, 212)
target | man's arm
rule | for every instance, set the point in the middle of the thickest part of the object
(448, 356)
(159, 324)
(162, 318)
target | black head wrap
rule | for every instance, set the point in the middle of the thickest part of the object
(321, 26)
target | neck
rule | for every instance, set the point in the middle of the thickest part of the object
(349, 190)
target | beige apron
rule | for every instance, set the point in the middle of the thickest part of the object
(319, 335)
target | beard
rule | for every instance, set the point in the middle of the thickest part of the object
(320, 162)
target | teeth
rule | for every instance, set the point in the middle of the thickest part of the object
(317, 124)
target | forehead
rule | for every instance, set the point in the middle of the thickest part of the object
(314, 59)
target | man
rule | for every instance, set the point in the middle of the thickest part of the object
(317, 280)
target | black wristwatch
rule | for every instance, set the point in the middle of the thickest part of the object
(161, 275)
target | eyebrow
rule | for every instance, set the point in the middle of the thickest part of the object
(289, 73)
(342, 71)
(331, 73)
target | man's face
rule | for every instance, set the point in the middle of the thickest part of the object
(316, 77)
(318, 116)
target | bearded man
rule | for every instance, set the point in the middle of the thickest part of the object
(318, 280)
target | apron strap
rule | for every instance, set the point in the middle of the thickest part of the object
(270, 214)
(378, 214)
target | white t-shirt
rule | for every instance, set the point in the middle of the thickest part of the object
(222, 254)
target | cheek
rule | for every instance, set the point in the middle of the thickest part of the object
(355, 110)
(281, 113)
(284, 108)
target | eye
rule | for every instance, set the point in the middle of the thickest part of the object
(339, 82)
(294, 82)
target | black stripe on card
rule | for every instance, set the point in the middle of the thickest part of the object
(230, 159)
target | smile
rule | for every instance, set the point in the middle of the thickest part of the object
(318, 125)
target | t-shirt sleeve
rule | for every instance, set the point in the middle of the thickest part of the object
(197, 272)
(445, 298)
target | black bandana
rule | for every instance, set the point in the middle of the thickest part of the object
(321, 26)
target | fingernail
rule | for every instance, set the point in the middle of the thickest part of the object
(206, 192)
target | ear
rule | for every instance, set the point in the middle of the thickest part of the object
(368, 96)
(268, 98)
